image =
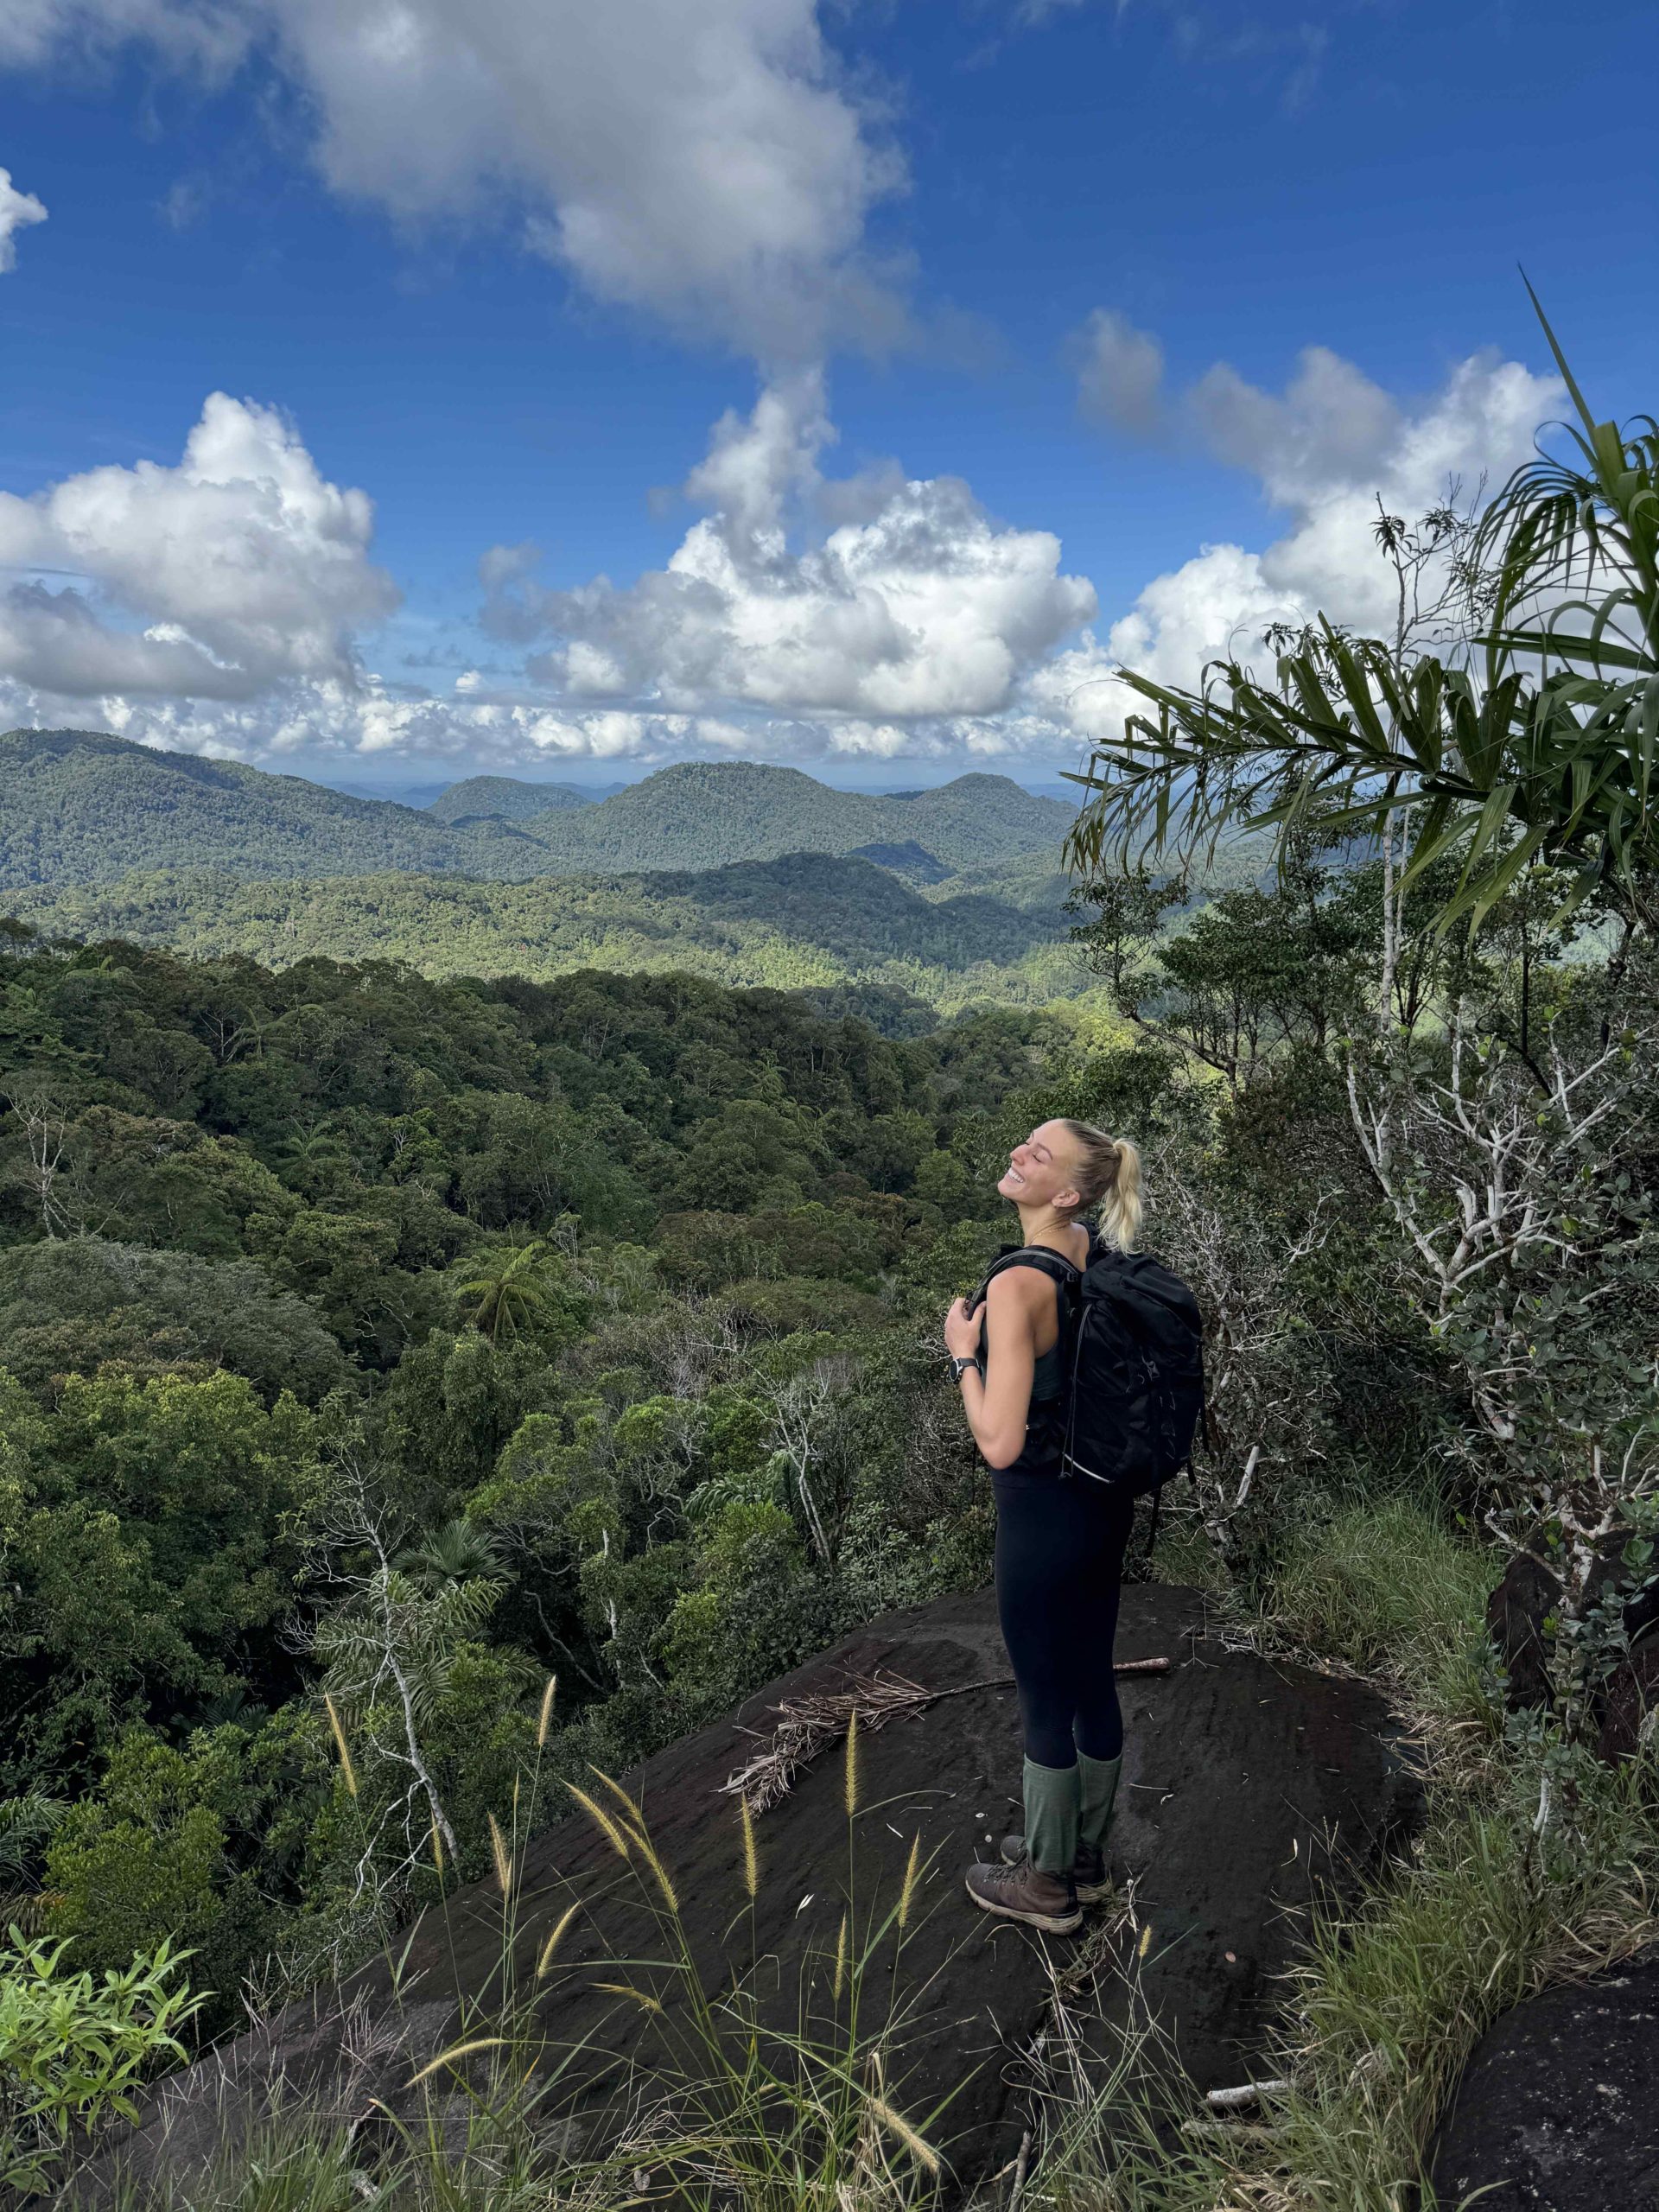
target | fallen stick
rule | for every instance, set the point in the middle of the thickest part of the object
(1020, 2170)
(1246, 2093)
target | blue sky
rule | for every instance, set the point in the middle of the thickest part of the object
(506, 314)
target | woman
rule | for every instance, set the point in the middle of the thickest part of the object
(1060, 1541)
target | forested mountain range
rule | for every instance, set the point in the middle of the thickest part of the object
(77, 806)
(82, 807)
(807, 921)
(503, 798)
(703, 813)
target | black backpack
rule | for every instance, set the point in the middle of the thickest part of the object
(1132, 1355)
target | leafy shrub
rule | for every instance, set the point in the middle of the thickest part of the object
(73, 2045)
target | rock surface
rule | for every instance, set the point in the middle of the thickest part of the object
(1250, 1787)
(1557, 2110)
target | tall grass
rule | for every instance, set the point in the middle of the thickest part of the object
(1512, 1885)
(731, 2106)
(1387, 1587)
(1384, 2014)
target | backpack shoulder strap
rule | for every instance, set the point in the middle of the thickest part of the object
(1060, 1271)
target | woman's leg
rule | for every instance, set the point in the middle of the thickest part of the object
(1033, 1538)
(1091, 1616)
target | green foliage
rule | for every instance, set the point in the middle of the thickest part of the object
(464, 1335)
(158, 1852)
(522, 1287)
(74, 2046)
(153, 1528)
(757, 1607)
(501, 798)
(79, 805)
(1386, 1585)
(84, 808)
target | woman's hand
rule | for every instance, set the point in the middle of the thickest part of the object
(962, 1331)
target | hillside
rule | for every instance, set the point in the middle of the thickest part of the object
(806, 920)
(502, 799)
(703, 813)
(78, 807)
(1269, 1824)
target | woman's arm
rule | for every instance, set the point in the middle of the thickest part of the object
(999, 1406)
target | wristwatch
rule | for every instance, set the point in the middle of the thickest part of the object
(960, 1367)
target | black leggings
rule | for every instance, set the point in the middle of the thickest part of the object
(1059, 1564)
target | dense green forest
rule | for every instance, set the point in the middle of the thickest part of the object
(378, 1350)
(808, 920)
(77, 807)
(701, 814)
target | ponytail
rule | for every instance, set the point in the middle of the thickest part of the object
(1108, 1176)
(1121, 1208)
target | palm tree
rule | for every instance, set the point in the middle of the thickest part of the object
(455, 1551)
(511, 1285)
(1536, 746)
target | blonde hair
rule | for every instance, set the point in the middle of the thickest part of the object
(1108, 1176)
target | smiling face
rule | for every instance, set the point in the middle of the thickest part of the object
(1043, 1171)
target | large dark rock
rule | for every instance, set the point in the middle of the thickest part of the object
(1250, 1787)
(1557, 2110)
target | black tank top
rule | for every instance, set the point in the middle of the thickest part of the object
(1046, 1415)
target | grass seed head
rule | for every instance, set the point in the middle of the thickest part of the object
(502, 1857)
(345, 1767)
(552, 1942)
(643, 1998)
(456, 2050)
(613, 1833)
(850, 1792)
(751, 1857)
(545, 1720)
(897, 2126)
(912, 1869)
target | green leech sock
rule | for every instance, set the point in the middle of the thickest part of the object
(1052, 1805)
(1097, 1781)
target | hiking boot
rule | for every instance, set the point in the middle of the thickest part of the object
(1089, 1876)
(1045, 1901)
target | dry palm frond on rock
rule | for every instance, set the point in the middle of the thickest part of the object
(807, 1725)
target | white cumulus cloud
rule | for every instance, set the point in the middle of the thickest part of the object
(878, 596)
(1323, 451)
(704, 160)
(240, 567)
(17, 211)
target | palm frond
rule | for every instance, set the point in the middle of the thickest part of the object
(1542, 747)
